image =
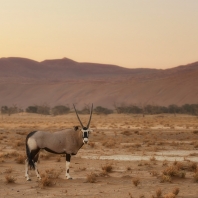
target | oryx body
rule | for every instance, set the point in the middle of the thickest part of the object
(67, 142)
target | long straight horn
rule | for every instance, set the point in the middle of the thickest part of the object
(78, 116)
(90, 116)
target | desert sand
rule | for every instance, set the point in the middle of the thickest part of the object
(127, 156)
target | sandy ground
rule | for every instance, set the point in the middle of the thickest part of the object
(159, 153)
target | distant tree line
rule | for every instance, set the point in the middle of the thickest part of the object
(10, 110)
(45, 109)
(191, 109)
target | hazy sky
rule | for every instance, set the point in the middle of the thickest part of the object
(129, 33)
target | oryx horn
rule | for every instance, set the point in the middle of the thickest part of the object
(90, 116)
(78, 117)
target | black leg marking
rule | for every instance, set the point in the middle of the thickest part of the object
(68, 157)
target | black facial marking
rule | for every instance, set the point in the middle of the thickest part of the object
(85, 134)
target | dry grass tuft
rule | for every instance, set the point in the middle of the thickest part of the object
(174, 170)
(127, 133)
(195, 176)
(195, 132)
(171, 170)
(92, 144)
(189, 166)
(11, 154)
(52, 173)
(107, 168)
(169, 195)
(175, 191)
(91, 178)
(8, 170)
(109, 143)
(20, 159)
(164, 163)
(165, 178)
(45, 181)
(46, 178)
(129, 168)
(104, 174)
(154, 173)
(192, 166)
(21, 132)
(82, 168)
(152, 158)
(10, 179)
(136, 181)
(130, 195)
(19, 143)
(2, 158)
(158, 192)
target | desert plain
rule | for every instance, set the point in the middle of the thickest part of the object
(127, 156)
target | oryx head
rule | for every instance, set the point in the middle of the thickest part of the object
(85, 130)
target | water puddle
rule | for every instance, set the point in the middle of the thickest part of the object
(172, 155)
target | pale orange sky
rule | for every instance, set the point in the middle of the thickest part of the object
(129, 33)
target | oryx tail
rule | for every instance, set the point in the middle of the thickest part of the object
(28, 153)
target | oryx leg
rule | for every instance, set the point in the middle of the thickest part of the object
(68, 158)
(35, 164)
(34, 158)
(26, 170)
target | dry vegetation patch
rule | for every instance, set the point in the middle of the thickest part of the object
(91, 178)
(10, 179)
(20, 159)
(53, 173)
(45, 181)
(109, 143)
(158, 192)
(174, 171)
(136, 181)
(195, 176)
(108, 168)
(123, 135)
(169, 195)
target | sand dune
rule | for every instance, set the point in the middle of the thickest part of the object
(63, 81)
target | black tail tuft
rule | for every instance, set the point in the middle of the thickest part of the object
(28, 153)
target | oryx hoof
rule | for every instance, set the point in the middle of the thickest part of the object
(28, 179)
(70, 178)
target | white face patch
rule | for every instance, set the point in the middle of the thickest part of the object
(32, 144)
(85, 140)
(85, 134)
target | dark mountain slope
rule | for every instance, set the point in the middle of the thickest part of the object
(63, 81)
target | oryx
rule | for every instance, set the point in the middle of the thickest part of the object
(67, 141)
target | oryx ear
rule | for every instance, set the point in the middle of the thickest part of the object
(76, 128)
